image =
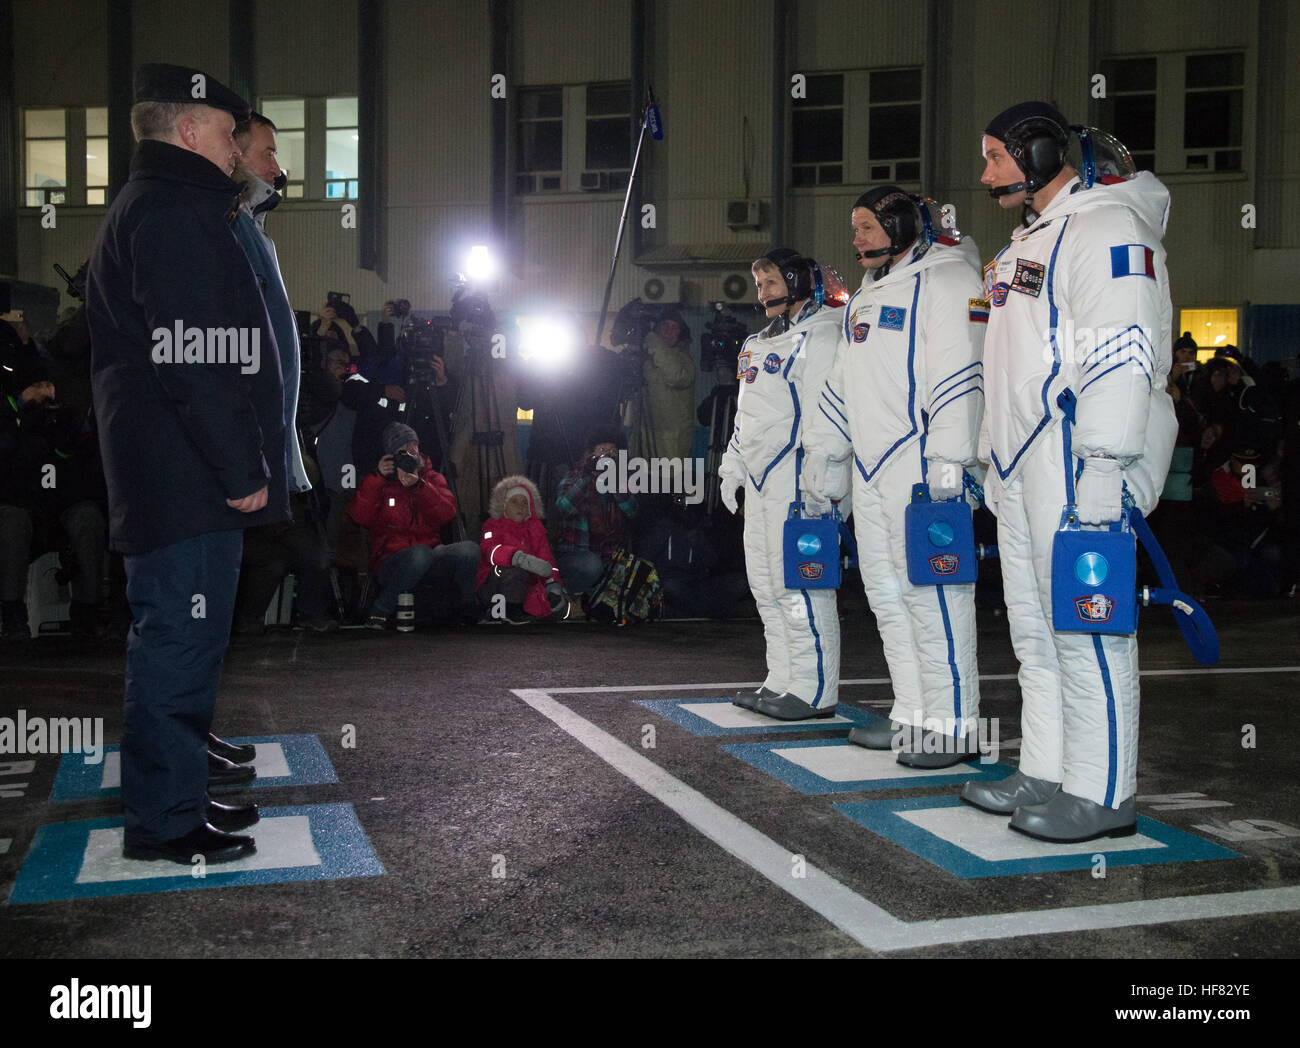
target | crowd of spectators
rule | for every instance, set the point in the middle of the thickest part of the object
(384, 516)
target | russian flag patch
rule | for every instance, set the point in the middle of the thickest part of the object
(1132, 260)
(979, 310)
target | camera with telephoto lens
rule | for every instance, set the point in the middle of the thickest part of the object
(407, 462)
(401, 307)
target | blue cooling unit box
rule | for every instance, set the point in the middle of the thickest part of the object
(811, 550)
(1094, 578)
(940, 540)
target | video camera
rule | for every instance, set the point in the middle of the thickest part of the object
(722, 338)
(632, 323)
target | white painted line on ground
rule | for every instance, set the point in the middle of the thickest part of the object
(858, 917)
(1191, 671)
(855, 916)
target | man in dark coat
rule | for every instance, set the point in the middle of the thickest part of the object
(189, 402)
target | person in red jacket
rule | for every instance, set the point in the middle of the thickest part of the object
(516, 561)
(404, 512)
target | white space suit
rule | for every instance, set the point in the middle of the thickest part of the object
(905, 398)
(1079, 301)
(780, 379)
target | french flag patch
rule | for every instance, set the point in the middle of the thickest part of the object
(1132, 260)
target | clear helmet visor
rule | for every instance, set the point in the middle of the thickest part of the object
(829, 288)
(934, 222)
(1098, 155)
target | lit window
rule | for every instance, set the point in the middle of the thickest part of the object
(289, 115)
(45, 157)
(341, 145)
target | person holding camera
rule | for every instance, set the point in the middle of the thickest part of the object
(668, 371)
(593, 523)
(404, 505)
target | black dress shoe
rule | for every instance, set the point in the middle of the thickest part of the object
(222, 772)
(235, 754)
(211, 843)
(231, 817)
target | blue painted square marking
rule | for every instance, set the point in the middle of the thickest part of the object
(762, 756)
(304, 759)
(671, 709)
(76, 860)
(1023, 854)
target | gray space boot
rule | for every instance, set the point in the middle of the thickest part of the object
(940, 751)
(1067, 818)
(748, 700)
(1004, 797)
(789, 707)
(879, 736)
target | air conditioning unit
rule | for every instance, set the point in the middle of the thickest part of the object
(743, 214)
(738, 286)
(659, 289)
(595, 181)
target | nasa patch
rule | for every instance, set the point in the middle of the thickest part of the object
(742, 363)
(860, 332)
(892, 317)
(811, 570)
(772, 364)
(751, 374)
(1029, 277)
(945, 563)
(1094, 608)
(999, 295)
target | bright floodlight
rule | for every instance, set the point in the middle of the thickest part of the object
(547, 341)
(480, 264)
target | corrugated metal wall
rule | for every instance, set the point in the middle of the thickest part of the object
(60, 53)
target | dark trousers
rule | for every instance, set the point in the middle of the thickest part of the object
(407, 568)
(173, 668)
(270, 554)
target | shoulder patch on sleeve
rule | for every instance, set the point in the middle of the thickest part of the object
(1132, 260)
(979, 310)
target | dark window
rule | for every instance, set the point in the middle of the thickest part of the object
(609, 127)
(896, 85)
(540, 131)
(1129, 109)
(817, 133)
(1213, 110)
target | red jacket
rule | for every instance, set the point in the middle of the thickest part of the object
(399, 517)
(503, 537)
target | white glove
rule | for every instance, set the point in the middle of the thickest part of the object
(727, 489)
(813, 478)
(530, 563)
(1099, 491)
(945, 480)
(814, 505)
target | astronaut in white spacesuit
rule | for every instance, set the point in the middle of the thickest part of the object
(903, 405)
(781, 371)
(1079, 325)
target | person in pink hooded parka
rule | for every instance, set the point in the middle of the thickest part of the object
(516, 560)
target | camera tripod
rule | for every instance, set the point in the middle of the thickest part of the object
(477, 403)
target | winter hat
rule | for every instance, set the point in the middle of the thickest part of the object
(396, 435)
(518, 489)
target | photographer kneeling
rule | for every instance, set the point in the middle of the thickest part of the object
(403, 506)
(593, 524)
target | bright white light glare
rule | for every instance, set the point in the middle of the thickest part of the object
(1220, 338)
(481, 264)
(547, 341)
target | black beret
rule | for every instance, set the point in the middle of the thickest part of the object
(158, 82)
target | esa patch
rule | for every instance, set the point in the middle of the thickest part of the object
(1029, 277)
(999, 294)
(860, 332)
(979, 310)
(892, 318)
(1132, 260)
(772, 364)
(751, 374)
(742, 363)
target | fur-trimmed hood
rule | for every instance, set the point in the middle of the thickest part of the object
(497, 504)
